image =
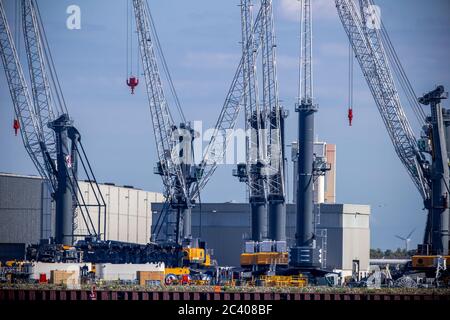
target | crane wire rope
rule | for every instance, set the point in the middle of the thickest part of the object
(350, 76)
(164, 64)
(62, 107)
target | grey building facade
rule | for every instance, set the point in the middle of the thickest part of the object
(343, 228)
(27, 210)
(26, 217)
(23, 206)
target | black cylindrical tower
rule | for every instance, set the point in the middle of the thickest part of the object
(305, 179)
(64, 194)
(276, 198)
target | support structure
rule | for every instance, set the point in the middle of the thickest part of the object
(263, 171)
(276, 196)
(45, 125)
(304, 254)
(438, 236)
(64, 213)
(425, 159)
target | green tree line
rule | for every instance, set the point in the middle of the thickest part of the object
(391, 254)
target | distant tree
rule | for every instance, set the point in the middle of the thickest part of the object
(398, 253)
(376, 253)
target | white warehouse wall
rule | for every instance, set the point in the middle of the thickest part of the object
(128, 212)
(27, 214)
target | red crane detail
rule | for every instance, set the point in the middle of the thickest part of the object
(132, 82)
(16, 126)
(350, 116)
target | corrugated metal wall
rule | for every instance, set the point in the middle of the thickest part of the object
(225, 226)
(127, 210)
(20, 209)
(24, 201)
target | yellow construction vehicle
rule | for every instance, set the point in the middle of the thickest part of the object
(196, 256)
(177, 271)
(176, 276)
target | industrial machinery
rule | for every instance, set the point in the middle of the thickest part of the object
(426, 159)
(49, 136)
(263, 171)
(14, 271)
(183, 179)
(306, 255)
(173, 142)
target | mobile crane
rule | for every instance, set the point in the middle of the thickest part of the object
(426, 159)
(49, 136)
(263, 171)
(183, 180)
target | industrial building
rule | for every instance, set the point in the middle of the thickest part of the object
(345, 229)
(27, 212)
(224, 226)
(324, 185)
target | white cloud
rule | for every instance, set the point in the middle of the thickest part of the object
(322, 9)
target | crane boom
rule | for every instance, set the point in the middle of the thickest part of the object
(255, 126)
(40, 85)
(371, 55)
(429, 173)
(162, 120)
(46, 133)
(223, 130)
(275, 118)
(183, 183)
(255, 148)
(31, 130)
(44, 104)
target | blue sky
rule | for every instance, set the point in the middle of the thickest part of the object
(201, 42)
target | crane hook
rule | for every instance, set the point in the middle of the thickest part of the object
(350, 116)
(16, 126)
(132, 82)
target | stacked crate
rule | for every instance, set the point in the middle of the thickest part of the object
(150, 277)
(63, 277)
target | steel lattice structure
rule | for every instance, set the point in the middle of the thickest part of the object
(371, 55)
(223, 130)
(255, 150)
(183, 183)
(163, 123)
(31, 131)
(306, 78)
(39, 114)
(40, 86)
(271, 107)
(182, 186)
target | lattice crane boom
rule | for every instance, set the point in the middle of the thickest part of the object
(40, 86)
(271, 107)
(30, 126)
(306, 74)
(45, 125)
(371, 55)
(255, 150)
(162, 120)
(223, 130)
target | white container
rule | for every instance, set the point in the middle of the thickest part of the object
(45, 267)
(114, 272)
(265, 246)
